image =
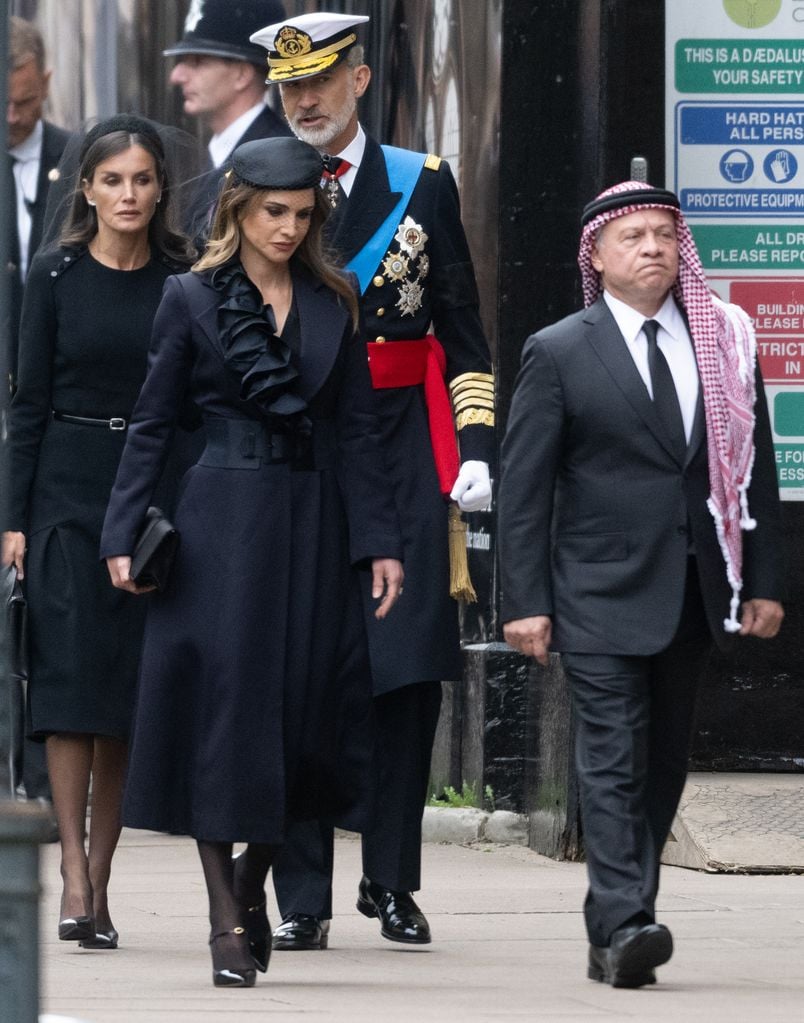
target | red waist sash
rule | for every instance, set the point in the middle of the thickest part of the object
(406, 364)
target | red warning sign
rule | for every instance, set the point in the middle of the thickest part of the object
(777, 309)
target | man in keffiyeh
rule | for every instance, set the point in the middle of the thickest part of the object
(639, 519)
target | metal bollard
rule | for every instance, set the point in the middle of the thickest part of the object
(22, 827)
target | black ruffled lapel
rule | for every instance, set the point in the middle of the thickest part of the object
(251, 347)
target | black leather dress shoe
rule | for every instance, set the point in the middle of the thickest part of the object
(400, 917)
(632, 955)
(299, 932)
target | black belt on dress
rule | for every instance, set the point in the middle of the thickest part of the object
(115, 423)
(248, 444)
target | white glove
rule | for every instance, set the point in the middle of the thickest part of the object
(472, 488)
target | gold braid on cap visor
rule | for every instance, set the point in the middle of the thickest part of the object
(280, 69)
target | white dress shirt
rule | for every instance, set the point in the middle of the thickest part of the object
(28, 155)
(220, 146)
(353, 154)
(674, 341)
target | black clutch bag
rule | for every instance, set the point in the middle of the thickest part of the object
(13, 679)
(154, 550)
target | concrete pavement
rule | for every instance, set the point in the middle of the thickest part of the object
(508, 945)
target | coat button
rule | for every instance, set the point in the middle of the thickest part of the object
(379, 340)
(378, 281)
(381, 312)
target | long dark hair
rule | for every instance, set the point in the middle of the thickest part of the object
(224, 240)
(81, 224)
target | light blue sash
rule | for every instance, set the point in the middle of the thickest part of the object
(404, 168)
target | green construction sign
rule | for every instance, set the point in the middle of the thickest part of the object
(739, 65)
(757, 247)
(789, 465)
(788, 414)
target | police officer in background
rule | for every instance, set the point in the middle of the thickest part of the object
(34, 149)
(396, 223)
(222, 78)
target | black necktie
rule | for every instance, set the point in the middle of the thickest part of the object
(665, 397)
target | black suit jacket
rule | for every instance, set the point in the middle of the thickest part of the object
(196, 214)
(53, 142)
(597, 517)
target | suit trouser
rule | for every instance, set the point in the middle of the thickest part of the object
(634, 720)
(406, 722)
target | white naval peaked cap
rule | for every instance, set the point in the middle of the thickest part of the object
(307, 45)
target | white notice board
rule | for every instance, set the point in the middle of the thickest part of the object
(735, 157)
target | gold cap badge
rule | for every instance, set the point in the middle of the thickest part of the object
(292, 42)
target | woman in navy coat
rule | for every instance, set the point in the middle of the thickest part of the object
(254, 706)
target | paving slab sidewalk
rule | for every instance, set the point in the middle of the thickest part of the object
(508, 945)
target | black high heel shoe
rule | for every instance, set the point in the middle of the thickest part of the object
(258, 932)
(76, 928)
(230, 975)
(102, 939)
(258, 927)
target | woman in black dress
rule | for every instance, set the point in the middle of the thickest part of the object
(86, 324)
(254, 702)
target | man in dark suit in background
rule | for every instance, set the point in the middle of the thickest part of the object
(34, 149)
(222, 78)
(396, 223)
(639, 519)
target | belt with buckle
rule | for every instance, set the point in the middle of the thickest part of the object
(115, 423)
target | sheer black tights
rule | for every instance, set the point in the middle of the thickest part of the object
(251, 870)
(229, 898)
(227, 911)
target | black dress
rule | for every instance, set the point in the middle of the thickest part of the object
(83, 351)
(254, 702)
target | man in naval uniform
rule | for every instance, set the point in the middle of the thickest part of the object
(396, 223)
(221, 75)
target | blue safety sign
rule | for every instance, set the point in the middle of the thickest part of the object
(744, 159)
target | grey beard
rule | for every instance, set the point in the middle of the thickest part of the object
(321, 137)
(318, 137)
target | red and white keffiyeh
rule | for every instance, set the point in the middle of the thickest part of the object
(725, 350)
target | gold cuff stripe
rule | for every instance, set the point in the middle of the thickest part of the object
(474, 417)
(477, 378)
(459, 406)
(475, 385)
(432, 162)
(473, 392)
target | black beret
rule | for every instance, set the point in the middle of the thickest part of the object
(279, 163)
(129, 123)
(646, 196)
(221, 28)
